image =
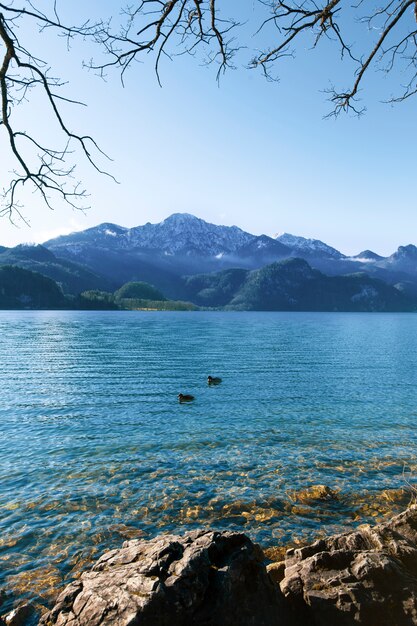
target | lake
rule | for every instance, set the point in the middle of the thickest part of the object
(95, 447)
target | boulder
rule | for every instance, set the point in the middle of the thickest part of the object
(206, 578)
(276, 571)
(23, 615)
(366, 577)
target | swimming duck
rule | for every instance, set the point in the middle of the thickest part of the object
(213, 380)
(185, 397)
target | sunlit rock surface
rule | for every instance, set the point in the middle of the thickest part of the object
(206, 578)
(367, 577)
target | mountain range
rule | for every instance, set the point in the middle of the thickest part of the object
(177, 253)
(293, 285)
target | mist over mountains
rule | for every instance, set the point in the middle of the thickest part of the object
(223, 266)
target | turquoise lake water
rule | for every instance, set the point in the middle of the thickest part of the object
(95, 447)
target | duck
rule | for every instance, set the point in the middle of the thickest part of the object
(185, 397)
(213, 380)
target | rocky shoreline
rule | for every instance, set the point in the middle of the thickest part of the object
(212, 578)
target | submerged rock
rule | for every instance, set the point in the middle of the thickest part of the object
(314, 493)
(205, 578)
(380, 506)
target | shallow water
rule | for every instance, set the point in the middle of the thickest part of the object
(94, 447)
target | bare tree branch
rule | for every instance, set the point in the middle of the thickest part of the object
(44, 169)
(169, 28)
(295, 20)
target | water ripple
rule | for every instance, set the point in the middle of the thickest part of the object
(94, 447)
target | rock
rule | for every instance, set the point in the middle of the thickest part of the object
(23, 615)
(205, 578)
(276, 571)
(366, 577)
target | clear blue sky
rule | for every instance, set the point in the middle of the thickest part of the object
(251, 153)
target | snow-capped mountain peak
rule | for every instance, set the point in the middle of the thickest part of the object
(308, 247)
(180, 233)
(183, 236)
(180, 218)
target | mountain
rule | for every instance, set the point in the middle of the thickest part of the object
(400, 267)
(184, 234)
(161, 253)
(215, 290)
(182, 244)
(260, 251)
(119, 267)
(367, 255)
(107, 256)
(292, 285)
(139, 291)
(288, 285)
(307, 248)
(404, 259)
(180, 234)
(22, 289)
(72, 277)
